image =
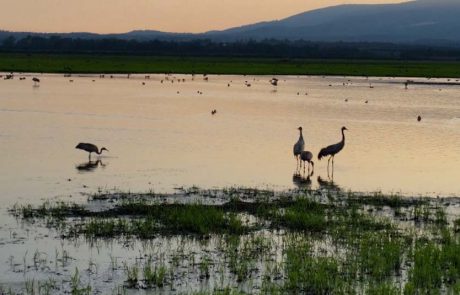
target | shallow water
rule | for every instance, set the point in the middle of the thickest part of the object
(162, 135)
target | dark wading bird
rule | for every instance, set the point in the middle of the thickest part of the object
(307, 156)
(299, 146)
(332, 150)
(36, 81)
(90, 148)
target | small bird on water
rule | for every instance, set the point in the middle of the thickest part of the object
(36, 81)
(419, 118)
(90, 148)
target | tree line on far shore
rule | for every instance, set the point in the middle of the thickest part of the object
(248, 48)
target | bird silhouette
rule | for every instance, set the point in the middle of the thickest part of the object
(36, 81)
(90, 148)
(299, 146)
(332, 150)
(307, 156)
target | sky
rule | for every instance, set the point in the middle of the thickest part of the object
(118, 16)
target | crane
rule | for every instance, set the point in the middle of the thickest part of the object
(333, 149)
(90, 148)
(299, 146)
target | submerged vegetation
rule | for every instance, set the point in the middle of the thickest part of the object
(237, 241)
(96, 64)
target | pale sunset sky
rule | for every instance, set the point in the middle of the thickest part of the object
(118, 16)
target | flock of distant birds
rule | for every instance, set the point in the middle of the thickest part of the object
(273, 81)
(301, 155)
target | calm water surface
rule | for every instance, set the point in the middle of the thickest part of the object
(162, 135)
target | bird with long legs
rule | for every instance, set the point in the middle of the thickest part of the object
(299, 147)
(90, 148)
(36, 81)
(332, 150)
(307, 157)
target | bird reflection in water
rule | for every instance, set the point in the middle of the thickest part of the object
(328, 184)
(90, 166)
(302, 181)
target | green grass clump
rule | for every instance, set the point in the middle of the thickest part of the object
(152, 219)
(426, 274)
(383, 289)
(303, 214)
(309, 274)
(380, 255)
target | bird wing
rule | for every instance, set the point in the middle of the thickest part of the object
(330, 150)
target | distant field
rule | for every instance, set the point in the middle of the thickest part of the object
(49, 63)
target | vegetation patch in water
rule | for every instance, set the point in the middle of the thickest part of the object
(310, 242)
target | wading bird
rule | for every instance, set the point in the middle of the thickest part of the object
(299, 146)
(307, 156)
(274, 81)
(332, 150)
(90, 148)
(36, 81)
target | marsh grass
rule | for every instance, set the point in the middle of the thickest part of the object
(307, 242)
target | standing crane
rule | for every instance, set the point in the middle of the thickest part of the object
(332, 150)
(299, 146)
(90, 148)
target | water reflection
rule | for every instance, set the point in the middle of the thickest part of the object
(328, 184)
(90, 166)
(302, 181)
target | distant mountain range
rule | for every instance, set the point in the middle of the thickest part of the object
(430, 22)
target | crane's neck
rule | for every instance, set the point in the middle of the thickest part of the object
(343, 136)
(99, 152)
(301, 136)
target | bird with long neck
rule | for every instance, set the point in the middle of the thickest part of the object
(332, 150)
(90, 148)
(299, 147)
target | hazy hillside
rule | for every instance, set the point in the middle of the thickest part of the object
(421, 21)
(416, 21)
